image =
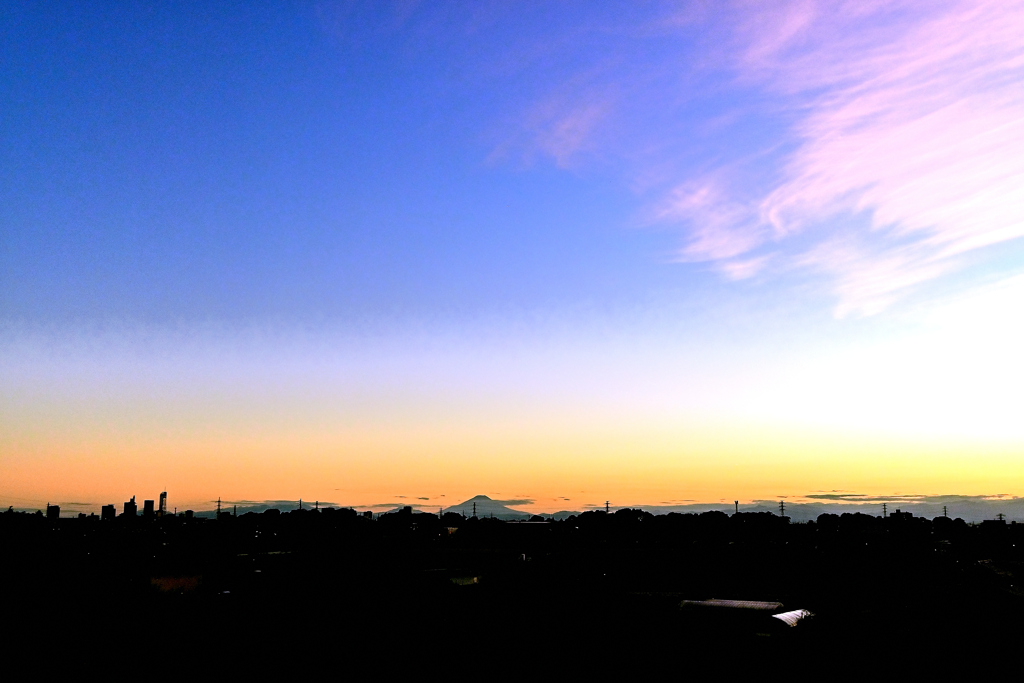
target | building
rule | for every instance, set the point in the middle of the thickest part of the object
(898, 517)
(108, 512)
(52, 511)
(163, 504)
(147, 508)
(130, 508)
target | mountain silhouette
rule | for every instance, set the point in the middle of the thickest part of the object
(488, 507)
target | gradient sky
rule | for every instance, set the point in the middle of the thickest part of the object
(563, 252)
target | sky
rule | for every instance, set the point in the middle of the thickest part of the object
(657, 253)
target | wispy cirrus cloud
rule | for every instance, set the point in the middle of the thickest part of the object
(562, 133)
(912, 114)
(877, 144)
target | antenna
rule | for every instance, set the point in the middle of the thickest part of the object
(218, 507)
(782, 508)
(317, 505)
(883, 510)
(606, 507)
(737, 506)
(300, 503)
(944, 511)
(234, 510)
(474, 509)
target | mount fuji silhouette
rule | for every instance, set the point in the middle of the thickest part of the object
(488, 507)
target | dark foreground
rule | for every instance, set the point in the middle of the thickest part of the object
(332, 591)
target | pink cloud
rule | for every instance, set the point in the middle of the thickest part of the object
(564, 133)
(901, 144)
(911, 115)
(722, 228)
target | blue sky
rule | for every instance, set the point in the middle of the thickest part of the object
(240, 163)
(690, 229)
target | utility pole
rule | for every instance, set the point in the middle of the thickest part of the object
(218, 507)
(606, 508)
(317, 506)
(944, 512)
(782, 508)
(1000, 516)
(474, 509)
(300, 503)
(883, 510)
(234, 511)
(737, 506)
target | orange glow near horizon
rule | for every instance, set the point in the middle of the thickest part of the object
(565, 424)
(555, 470)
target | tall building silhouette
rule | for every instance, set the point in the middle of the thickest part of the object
(163, 504)
(52, 511)
(108, 512)
(147, 508)
(130, 508)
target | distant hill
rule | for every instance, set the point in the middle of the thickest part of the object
(561, 514)
(487, 507)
